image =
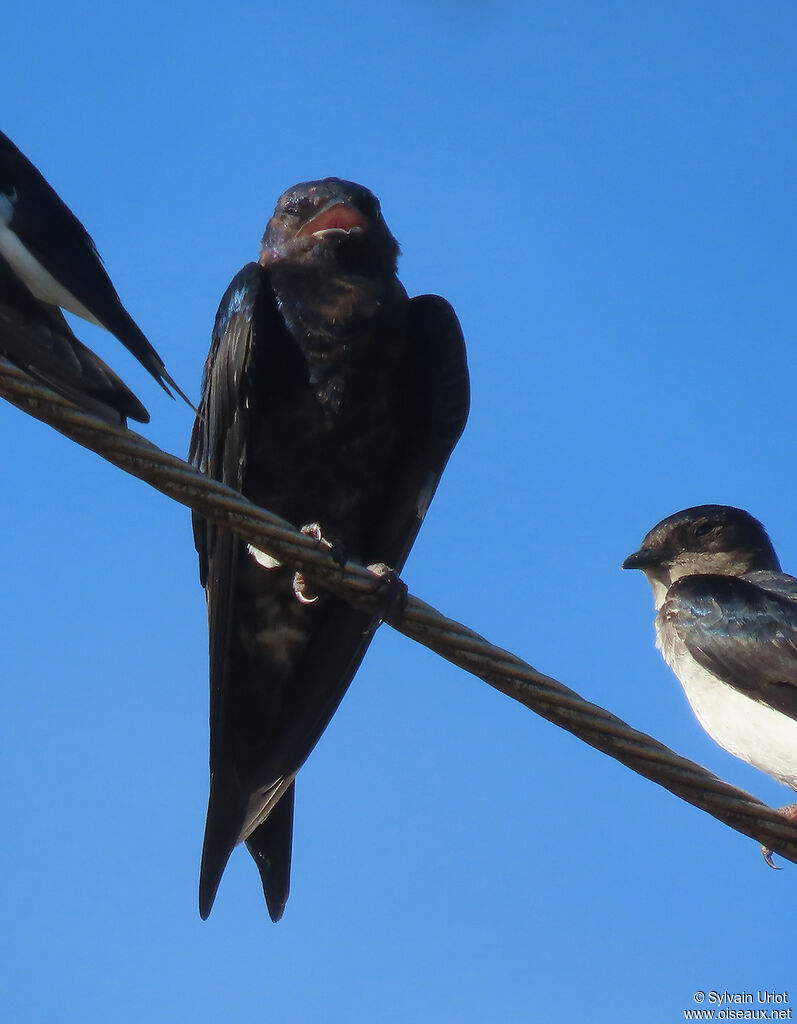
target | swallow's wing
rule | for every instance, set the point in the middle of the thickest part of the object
(37, 338)
(218, 440)
(435, 402)
(776, 582)
(46, 229)
(740, 632)
(246, 319)
(50, 250)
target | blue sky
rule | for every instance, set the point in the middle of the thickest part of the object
(605, 193)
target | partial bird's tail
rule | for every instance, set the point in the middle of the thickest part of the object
(124, 327)
(270, 845)
(226, 813)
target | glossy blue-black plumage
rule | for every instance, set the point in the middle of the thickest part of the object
(328, 397)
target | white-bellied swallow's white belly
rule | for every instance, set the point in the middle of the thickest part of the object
(747, 728)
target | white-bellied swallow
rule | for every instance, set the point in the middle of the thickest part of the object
(52, 254)
(334, 400)
(726, 624)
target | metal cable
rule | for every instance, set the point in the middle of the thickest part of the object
(453, 641)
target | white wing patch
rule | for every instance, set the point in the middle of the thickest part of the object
(33, 275)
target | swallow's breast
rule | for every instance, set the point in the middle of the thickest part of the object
(750, 729)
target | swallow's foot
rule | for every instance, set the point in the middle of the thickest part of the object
(789, 812)
(301, 588)
(392, 590)
(336, 548)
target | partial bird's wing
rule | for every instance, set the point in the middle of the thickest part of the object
(48, 231)
(38, 339)
(743, 634)
(218, 440)
(219, 448)
(775, 582)
(47, 228)
(435, 402)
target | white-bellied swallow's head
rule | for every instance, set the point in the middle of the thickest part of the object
(706, 539)
(331, 219)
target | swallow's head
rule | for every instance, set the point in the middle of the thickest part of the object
(706, 539)
(318, 222)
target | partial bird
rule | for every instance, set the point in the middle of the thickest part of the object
(37, 339)
(334, 400)
(726, 624)
(52, 255)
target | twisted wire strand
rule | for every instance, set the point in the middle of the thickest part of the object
(417, 620)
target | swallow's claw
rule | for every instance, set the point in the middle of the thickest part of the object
(302, 591)
(789, 812)
(336, 548)
(314, 530)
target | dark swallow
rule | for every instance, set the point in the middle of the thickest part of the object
(726, 624)
(37, 338)
(331, 398)
(52, 254)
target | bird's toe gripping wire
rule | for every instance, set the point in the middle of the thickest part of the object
(301, 588)
(790, 813)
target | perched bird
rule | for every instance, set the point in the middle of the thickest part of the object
(52, 255)
(726, 624)
(334, 400)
